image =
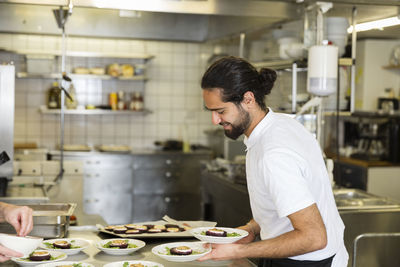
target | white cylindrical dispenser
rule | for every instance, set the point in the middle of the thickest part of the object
(322, 70)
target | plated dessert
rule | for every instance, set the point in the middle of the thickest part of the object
(182, 251)
(219, 235)
(38, 256)
(137, 263)
(118, 246)
(66, 264)
(135, 229)
(69, 246)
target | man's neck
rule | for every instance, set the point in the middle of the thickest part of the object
(256, 118)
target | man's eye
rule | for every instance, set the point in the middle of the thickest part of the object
(221, 112)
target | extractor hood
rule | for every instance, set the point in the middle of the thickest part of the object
(180, 20)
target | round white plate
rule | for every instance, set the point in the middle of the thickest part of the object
(120, 251)
(81, 243)
(197, 232)
(198, 247)
(55, 254)
(145, 263)
(54, 264)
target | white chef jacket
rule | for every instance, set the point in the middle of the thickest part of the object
(286, 173)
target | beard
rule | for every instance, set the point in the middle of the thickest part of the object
(239, 126)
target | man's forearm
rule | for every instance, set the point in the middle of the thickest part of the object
(286, 245)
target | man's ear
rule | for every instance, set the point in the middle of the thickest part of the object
(248, 98)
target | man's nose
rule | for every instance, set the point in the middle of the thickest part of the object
(215, 118)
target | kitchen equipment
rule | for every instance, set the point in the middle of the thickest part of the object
(388, 104)
(50, 220)
(322, 70)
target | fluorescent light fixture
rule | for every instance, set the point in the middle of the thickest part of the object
(376, 24)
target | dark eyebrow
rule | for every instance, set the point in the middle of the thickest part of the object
(213, 109)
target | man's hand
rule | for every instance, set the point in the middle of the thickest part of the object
(20, 217)
(6, 254)
(223, 252)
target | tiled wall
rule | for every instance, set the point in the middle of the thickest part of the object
(172, 93)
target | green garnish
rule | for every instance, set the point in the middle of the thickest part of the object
(51, 258)
(126, 264)
(130, 245)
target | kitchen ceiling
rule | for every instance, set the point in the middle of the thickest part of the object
(184, 20)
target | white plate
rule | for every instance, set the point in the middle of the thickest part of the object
(145, 263)
(69, 251)
(120, 251)
(196, 232)
(54, 264)
(161, 251)
(56, 254)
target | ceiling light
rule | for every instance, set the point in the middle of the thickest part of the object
(376, 24)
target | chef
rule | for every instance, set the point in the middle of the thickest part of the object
(292, 203)
(20, 217)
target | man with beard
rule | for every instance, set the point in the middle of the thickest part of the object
(293, 208)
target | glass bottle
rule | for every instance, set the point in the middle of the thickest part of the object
(54, 97)
(71, 104)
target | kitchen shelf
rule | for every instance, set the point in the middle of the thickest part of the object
(83, 54)
(79, 76)
(45, 110)
(286, 64)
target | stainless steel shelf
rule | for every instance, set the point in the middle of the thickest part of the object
(45, 110)
(286, 64)
(84, 54)
(79, 76)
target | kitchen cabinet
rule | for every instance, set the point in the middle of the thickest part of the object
(107, 184)
(167, 183)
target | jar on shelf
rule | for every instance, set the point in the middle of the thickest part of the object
(71, 104)
(121, 103)
(113, 100)
(137, 102)
(54, 96)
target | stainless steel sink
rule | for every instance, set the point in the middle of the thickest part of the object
(351, 199)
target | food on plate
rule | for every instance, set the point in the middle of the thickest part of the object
(145, 228)
(160, 226)
(62, 244)
(216, 232)
(133, 231)
(181, 250)
(40, 256)
(173, 229)
(120, 230)
(126, 264)
(154, 231)
(219, 233)
(119, 244)
(72, 265)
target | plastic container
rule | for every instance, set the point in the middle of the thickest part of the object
(322, 70)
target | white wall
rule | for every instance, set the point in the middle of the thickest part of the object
(372, 79)
(173, 93)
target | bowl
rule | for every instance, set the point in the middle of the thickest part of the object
(25, 245)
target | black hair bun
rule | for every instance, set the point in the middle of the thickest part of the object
(268, 77)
